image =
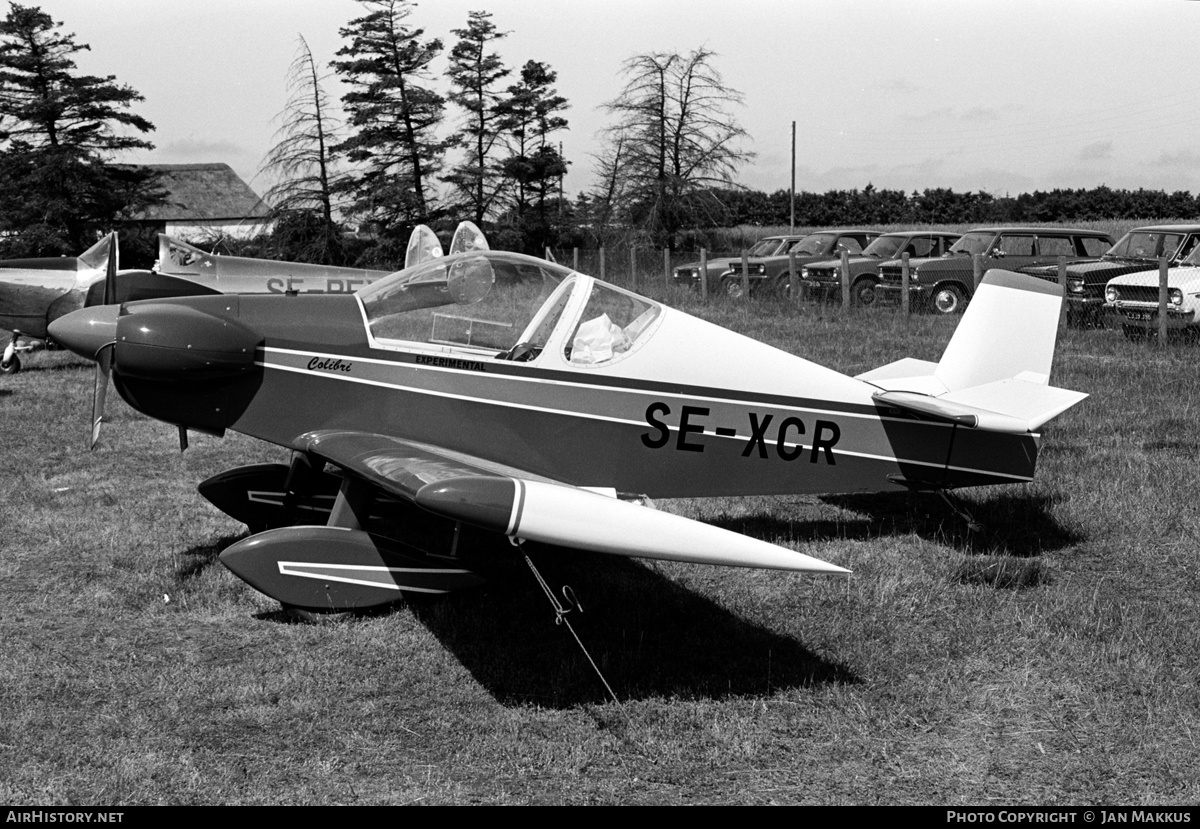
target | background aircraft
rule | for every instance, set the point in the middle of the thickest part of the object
(499, 392)
(35, 292)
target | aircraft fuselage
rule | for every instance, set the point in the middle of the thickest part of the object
(306, 363)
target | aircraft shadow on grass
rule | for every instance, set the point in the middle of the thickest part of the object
(652, 637)
(648, 635)
(1007, 523)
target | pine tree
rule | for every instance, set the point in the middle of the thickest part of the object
(59, 132)
(474, 73)
(394, 115)
(534, 166)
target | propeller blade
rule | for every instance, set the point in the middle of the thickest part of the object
(104, 359)
(467, 237)
(423, 245)
(183, 444)
(110, 275)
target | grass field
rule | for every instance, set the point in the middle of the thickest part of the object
(1050, 658)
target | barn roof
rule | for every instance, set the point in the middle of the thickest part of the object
(204, 192)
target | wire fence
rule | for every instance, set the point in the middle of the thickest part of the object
(731, 276)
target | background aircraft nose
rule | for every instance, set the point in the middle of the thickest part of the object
(87, 330)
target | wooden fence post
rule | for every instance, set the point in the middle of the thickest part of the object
(704, 273)
(1062, 281)
(666, 269)
(575, 259)
(633, 266)
(845, 269)
(602, 279)
(1162, 300)
(905, 281)
(745, 275)
(793, 288)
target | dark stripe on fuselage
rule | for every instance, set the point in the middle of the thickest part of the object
(590, 430)
(568, 441)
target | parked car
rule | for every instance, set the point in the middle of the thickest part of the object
(689, 274)
(771, 274)
(1138, 250)
(823, 280)
(946, 284)
(1133, 298)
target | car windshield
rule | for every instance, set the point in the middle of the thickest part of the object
(886, 247)
(768, 247)
(814, 245)
(1146, 244)
(974, 242)
(1193, 258)
(480, 300)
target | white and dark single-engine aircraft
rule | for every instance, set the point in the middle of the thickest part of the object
(502, 392)
(35, 292)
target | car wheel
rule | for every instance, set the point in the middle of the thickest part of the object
(733, 288)
(863, 292)
(948, 299)
(12, 366)
(782, 286)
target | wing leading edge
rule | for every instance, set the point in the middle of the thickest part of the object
(524, 506)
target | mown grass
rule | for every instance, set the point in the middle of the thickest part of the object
(1050, 657)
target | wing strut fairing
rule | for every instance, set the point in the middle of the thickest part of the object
(475, 492)
(523, 506)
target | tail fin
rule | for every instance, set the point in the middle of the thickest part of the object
(1008, 330)
(995, 371)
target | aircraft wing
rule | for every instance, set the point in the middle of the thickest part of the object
(523, 505)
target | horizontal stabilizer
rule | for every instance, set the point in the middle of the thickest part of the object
(1014, 406)
(1031, 403)
(909, 374)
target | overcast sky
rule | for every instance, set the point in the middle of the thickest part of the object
(1006, 96)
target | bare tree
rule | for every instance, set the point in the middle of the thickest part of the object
(302, 165)
(677, 137)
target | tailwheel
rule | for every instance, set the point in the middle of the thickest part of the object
(12, 366)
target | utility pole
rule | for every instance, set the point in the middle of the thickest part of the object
(792, 192)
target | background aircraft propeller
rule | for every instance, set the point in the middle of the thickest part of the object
(104, 358)
(110, 272)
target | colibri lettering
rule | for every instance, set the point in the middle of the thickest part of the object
(319, 364)
(768, 435)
